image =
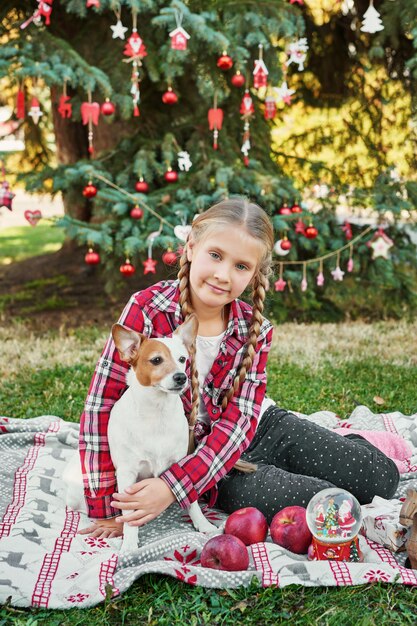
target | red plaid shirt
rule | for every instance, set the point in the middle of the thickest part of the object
(156, 312)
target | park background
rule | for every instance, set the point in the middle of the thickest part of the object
(341, 148)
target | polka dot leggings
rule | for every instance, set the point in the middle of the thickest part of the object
(296, 459)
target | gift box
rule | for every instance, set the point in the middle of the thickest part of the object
(381, 523)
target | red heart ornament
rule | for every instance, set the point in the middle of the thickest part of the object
(33, 217)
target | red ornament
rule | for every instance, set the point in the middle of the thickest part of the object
(286, 244)
(142, 186)
(169, 97)
(136, 213)
(270, 108)
(238, 80)
(171, 176)
(127, 268)
(20, 105)
(300, 227)
(92, 258)
(260, 74)
(90, 112)
(92, 3)
(108, 108)
(347, 229)
(149, 266)
(224, 62)
(285, 210)
(169, 257)
(246, 106)
(215, 119)
(90, 190)
(64, 106)
(135, 48)
(296, 209)
(311, 232)
(179, 38)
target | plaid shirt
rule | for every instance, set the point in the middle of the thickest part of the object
(156, 312)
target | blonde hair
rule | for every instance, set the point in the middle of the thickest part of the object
(231, 212)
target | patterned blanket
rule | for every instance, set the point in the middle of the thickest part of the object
(44, 563)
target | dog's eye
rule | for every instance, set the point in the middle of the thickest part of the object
(182, 359)
(157, 360)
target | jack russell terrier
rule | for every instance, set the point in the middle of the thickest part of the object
(147, 429)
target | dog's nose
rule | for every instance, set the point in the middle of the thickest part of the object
(179, 379)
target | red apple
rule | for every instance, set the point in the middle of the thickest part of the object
(225, 552)
(248, 524)
(289, 529)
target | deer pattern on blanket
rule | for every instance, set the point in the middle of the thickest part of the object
(43, 562)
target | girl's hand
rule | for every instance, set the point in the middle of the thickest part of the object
(146, 499)
(103, 528)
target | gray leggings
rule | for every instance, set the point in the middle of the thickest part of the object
(296, 459)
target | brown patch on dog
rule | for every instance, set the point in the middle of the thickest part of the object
(146, 372)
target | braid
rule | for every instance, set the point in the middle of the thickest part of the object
(186, 310)
(258, 298)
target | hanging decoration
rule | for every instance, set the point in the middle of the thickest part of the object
(320, 275)
(65, 106)
(169, 97)
(92, 3)
(225, 62)
(20, 103)
(285, 209)
(181, 231)
(171, 176)
(215, 119)
(260, 72)
(284, 93)
(296, 209)
(300, 2)
(135, 49)
(44, 10)
(270, 108)
(35, 110)
(311, 232)
(33, 217)
(169, 257)
(108, 108)
(297, 53)
(92, 257)
(6, 196)
(118, 30)
(300, 227)
(179, 36)
(246, 110)
(349, 266)
(90, 112)
(136, 213)
(372, 22)
(150, 264)
(337, 273)
(281, 247)
(304, 283)
(347, 229)
(238, 79)
(127, 269)
(184, 161)
(142, 186)
(380, 244)
(280, 284)
(89, 190)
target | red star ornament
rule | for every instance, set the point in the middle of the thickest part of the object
(149, 266)
(280, 284)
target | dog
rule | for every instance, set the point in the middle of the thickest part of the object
(147, 430)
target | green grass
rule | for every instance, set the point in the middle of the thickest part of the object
(21, 242)
(159, 600)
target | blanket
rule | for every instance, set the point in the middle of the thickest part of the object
(44, 563)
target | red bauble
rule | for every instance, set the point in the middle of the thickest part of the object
(142, 186)
(311, 232)
(286, 244)
(169, 97)
(108, 108)
(89, 191)
(136, 213)
(169, 257)
(296, 209)
(238, 80)
(285, 210)
(171, 176)
(127, 268)
(224, 62)
(92, 258)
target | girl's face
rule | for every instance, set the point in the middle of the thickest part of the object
(222, 265)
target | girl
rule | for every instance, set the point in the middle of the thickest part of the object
(229, 249)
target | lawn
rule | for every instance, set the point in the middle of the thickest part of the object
(311, 367)
(21, 242)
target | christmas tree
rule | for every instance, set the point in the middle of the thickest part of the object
(160, 109)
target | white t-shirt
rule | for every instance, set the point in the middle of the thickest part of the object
(207, 348)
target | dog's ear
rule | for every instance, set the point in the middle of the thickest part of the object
(127, 342)
(188, 331)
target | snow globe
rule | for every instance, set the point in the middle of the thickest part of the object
(334, 518)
